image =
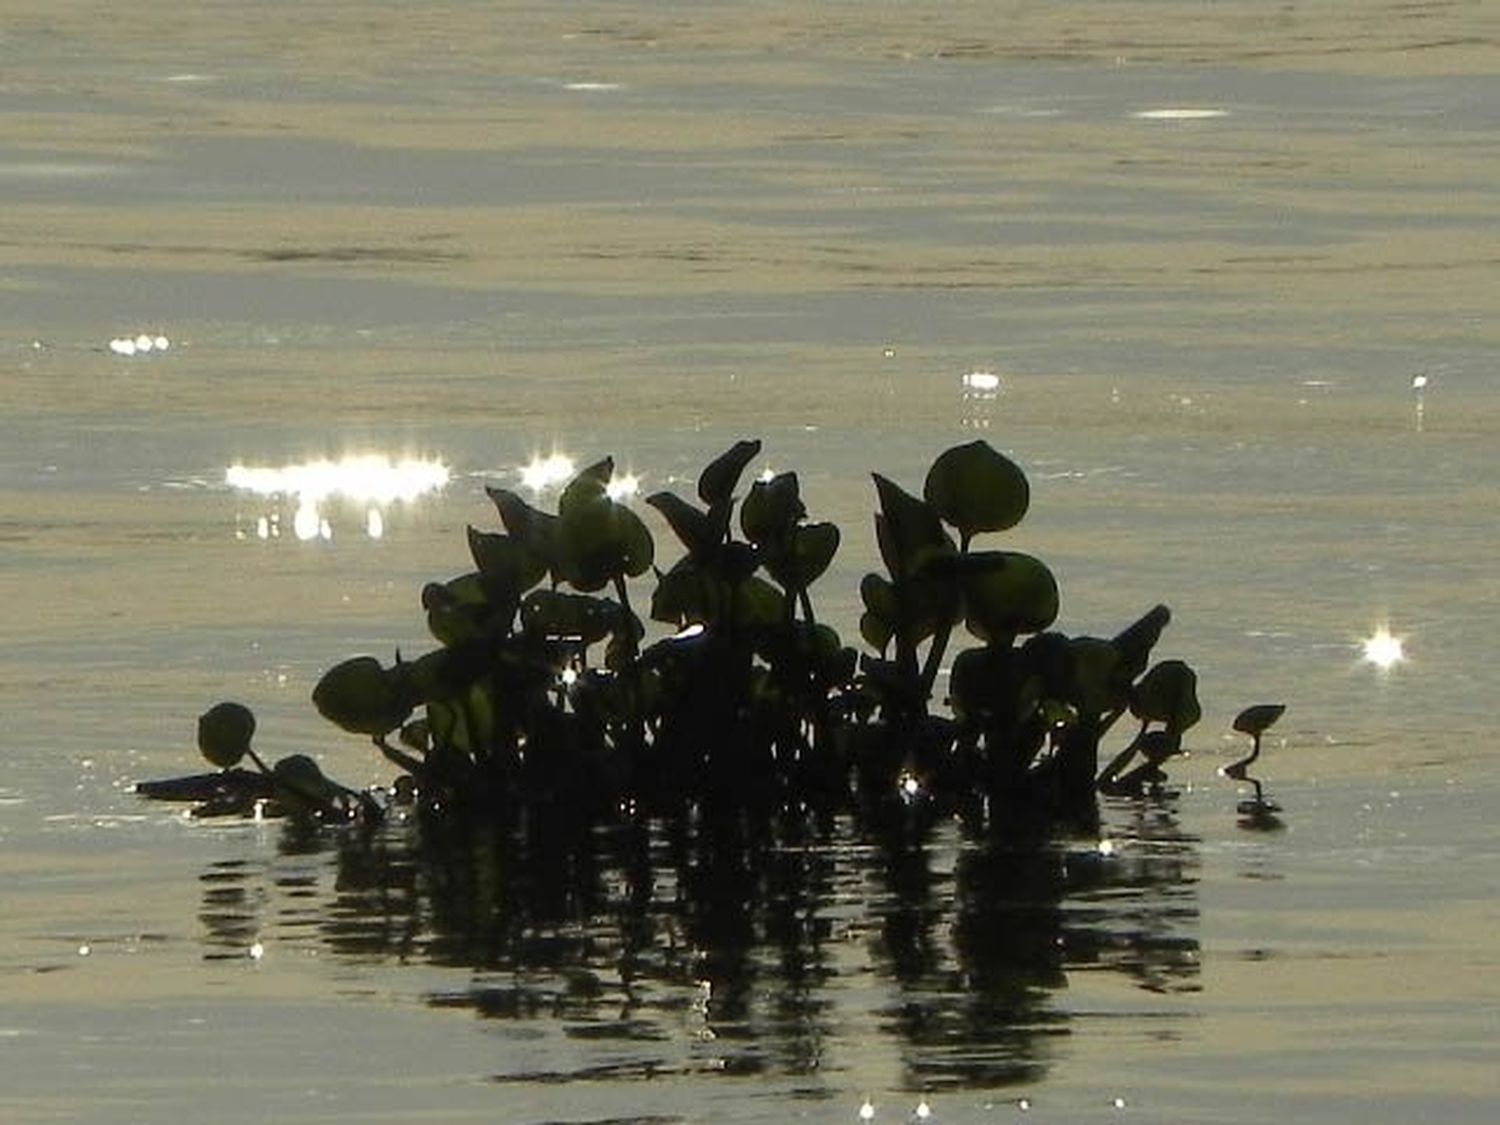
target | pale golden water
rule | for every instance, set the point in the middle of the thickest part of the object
(1206, 248)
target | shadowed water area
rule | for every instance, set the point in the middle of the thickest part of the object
(1233, 270)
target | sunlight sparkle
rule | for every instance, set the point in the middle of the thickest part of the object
(544, 472)
(1383, 650)
(370, 478)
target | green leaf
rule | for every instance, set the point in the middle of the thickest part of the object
(536, 529)
(693, 526)
(1136, 641)
(1168, 694)
(1095, 672)
(808, 554)
(224, 733)
(717, 482)
(1255, 720)
(771, 509)
(299, 777)
(687, 595)
(362, 697)
(589, 485)
(1012, 593)
(601, 540)
(458, 610)
(758, 603)
(509, 568)
(907, 529)
(975, 488)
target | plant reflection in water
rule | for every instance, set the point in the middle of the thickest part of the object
(722, 945)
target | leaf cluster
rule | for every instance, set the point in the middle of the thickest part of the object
(547, 689)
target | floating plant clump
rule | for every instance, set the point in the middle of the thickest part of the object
(547, 692)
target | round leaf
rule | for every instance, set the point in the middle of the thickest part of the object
(224, 733)
(976, 488)
(362, 697)
(1014, 594)
(1168, 694)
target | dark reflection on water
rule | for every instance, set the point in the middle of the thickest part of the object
(645, 949)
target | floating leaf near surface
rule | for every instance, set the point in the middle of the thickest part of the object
(1255, 720)
(224, 733)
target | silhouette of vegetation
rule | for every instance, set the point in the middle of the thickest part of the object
(547, 692)
(1257, 812)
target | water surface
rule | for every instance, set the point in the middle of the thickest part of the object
(1206, 253)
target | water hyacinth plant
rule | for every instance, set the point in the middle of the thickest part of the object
(548, 690)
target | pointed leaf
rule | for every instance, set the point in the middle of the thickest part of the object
(588, 486)
(531, 526)
(602, 540)
(717, 482)
(908, 530)
(693, 526)
(1138, 639)
(509, 568)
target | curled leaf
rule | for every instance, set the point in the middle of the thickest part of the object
(1255, 720)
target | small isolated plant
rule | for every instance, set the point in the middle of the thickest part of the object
(1254, 721)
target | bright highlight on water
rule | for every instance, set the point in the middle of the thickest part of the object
(371, 479)
(1383, 650)
(545, 472)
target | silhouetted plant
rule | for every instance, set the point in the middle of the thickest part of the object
(545, 692)
(1255, 721)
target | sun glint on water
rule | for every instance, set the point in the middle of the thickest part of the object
(1383, 649)
(371, 480)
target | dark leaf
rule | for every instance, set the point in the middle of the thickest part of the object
(717, 482)
(771, 509)
(975, 488)
(224, 733)
(1168, 694)
(1012, 594)
(693, 526)
(1255, 720)
(362, 697)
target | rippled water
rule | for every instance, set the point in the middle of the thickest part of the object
(1205, 251)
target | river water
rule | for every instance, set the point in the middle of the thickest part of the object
(1233, 269)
